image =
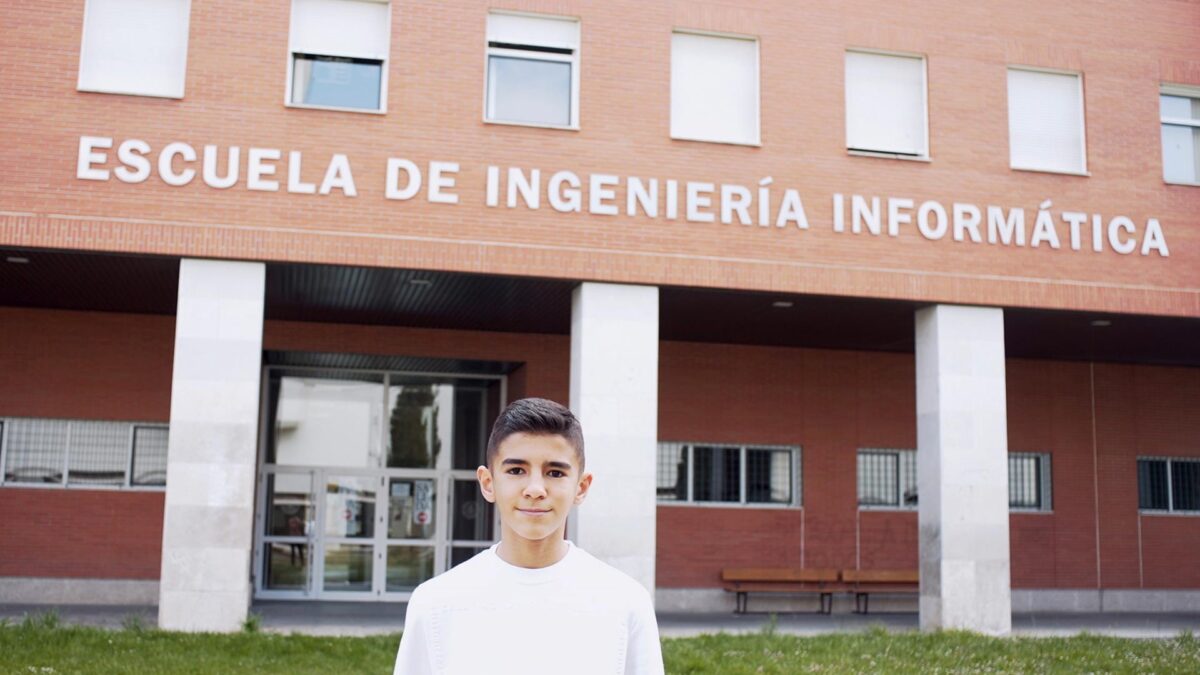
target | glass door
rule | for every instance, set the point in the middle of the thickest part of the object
(350, 515)
(289, 526)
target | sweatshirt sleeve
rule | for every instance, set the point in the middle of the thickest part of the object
(643, 656)
(414, 656)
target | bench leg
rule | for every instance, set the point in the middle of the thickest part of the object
(860, 603)
(741, 603)
(826, 603)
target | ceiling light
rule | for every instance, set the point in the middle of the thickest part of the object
(420, 282)
(782, 304)
(18, 260)
(1101, 323)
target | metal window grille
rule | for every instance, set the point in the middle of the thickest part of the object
(717, 475)
(80, 453)
(672, 472)
(1029, 481)
(36, 451)
(149, 461)
(728, 474)
(887, 478)
(1168, 484)
(97, 453)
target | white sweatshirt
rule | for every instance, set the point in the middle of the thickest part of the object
(486, 616)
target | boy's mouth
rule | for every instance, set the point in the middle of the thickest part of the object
(534, 512)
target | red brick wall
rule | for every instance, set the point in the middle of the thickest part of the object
(235, 83)
(83, 365)
(831, 403)
(101, 534)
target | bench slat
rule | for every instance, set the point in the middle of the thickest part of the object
(779, 574)
(881, 576)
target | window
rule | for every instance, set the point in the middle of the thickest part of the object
(1169, 484)
(1045, 121)
(888, 479)
(1180, 111)
(82, 453)
(714, 88)
(134, 47)
(532, 70)
(885, 104)
(339, 51)
(1029, 481)
(729, 474)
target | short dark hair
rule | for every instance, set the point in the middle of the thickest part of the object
(536, 416)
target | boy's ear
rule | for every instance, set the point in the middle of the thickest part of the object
(581, 491)
(484, 476)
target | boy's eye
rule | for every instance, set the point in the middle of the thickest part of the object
(515, 471)
(555, 473)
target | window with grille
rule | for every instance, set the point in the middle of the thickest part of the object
(1169, 484)
(888, 479)
(728, 474)
(1029, 481)
(82, 453)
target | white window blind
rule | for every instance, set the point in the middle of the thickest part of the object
(714, 88)
(134, 47)
(349, 28)
(885, 103)
(1045, 121)
(533, 31)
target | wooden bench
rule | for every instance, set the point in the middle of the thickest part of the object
(864, 582)
(746, 580)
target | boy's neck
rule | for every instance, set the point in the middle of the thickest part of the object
(532, 554)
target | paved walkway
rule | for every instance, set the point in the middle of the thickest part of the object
(352, 618)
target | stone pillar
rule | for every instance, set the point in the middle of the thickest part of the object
(614, 392)
(962, 469)
(209, 515)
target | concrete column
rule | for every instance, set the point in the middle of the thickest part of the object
(209, 514)
(614, 392)
(962, 469)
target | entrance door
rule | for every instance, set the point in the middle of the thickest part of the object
(368, 485)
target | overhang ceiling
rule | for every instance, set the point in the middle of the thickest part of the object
(335, 294)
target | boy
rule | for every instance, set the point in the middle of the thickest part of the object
(533, 603)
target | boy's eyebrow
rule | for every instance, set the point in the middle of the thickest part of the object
(514, 461)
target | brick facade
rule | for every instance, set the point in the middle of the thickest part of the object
(435, 86)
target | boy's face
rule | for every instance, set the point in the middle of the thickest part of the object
(534, 481)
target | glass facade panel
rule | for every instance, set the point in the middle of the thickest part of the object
(411, 508)
(420, 419)
(461, 554)
(322, 421)
(287, 566)
(290, 509)
(469, 428)
(408, 566)
(348, 567)
(472, 518)
(529, 90)
(336, 81)
(350, 507)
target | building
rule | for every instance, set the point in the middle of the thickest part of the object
(271, 269)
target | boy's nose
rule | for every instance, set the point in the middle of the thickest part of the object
(535, 488)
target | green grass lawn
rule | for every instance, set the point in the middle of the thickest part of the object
(39, 645)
